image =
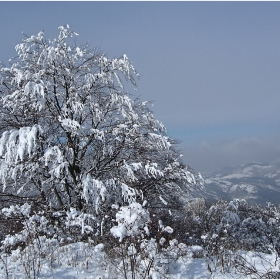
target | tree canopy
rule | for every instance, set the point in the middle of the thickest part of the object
(72, 137)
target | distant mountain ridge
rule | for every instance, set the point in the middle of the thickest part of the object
(257, 183)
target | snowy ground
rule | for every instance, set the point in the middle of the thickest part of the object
(84, 261)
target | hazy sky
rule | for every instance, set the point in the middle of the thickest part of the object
(211, 68)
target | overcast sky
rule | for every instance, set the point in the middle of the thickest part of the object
(211, 68)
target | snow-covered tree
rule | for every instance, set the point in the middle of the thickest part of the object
(73, 138)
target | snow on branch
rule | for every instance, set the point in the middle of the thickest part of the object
(56, 162)
(132, 220)
(15, 144)
(92, 191)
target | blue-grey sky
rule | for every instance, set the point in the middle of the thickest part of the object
(211, 68)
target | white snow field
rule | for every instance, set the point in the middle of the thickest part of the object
(85, 261)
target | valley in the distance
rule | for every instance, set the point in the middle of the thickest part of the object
(257, 183)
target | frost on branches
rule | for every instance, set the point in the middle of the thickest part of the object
(73, 138)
